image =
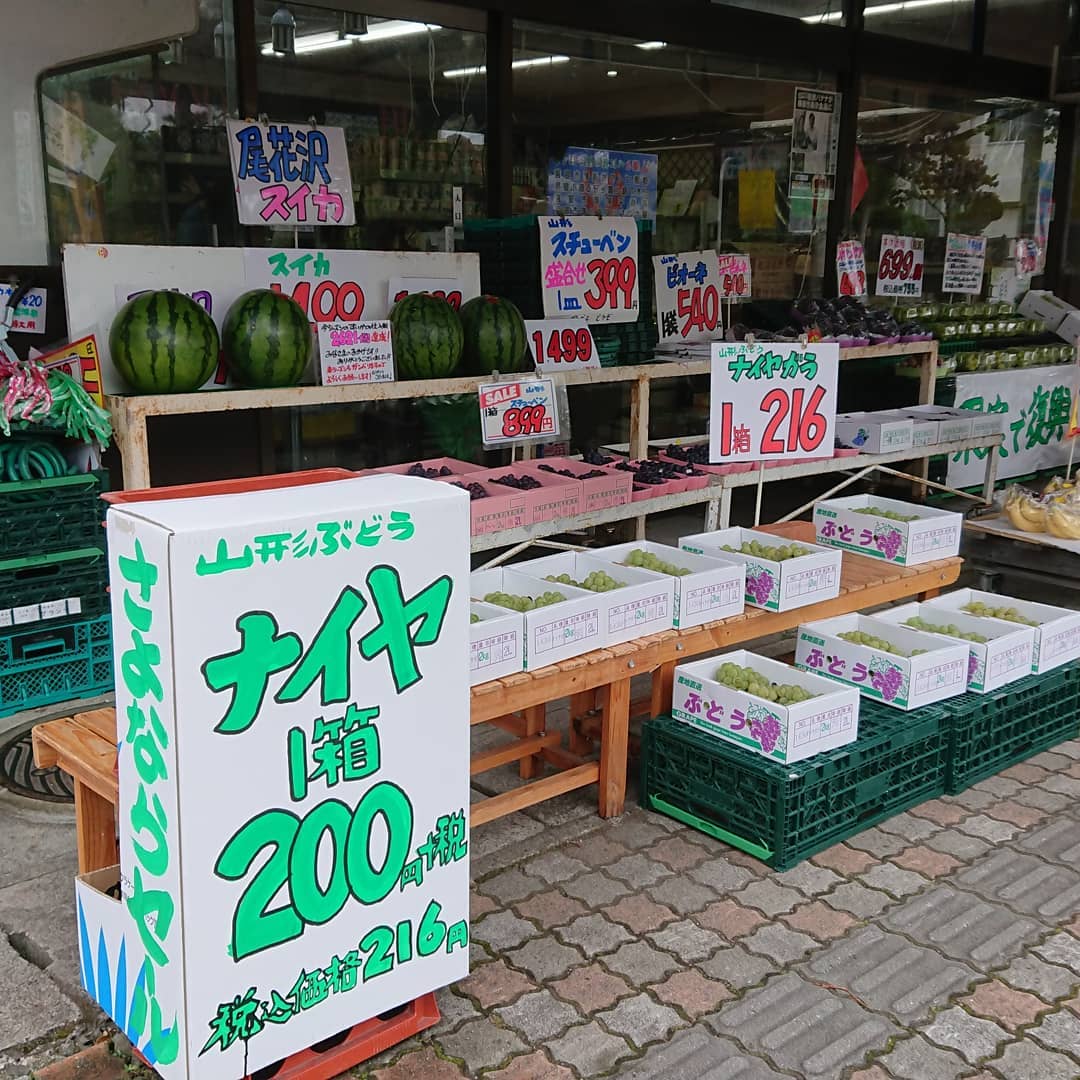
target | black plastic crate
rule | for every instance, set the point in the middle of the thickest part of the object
(65, 583)
(783, 814)
(989, 732)
(38, 517)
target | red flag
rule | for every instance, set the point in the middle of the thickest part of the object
(860, 182)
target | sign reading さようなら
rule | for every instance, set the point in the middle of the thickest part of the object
(292, 692)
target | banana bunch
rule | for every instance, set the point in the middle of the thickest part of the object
(1056, 510)
(30, 459)
(1025, 509)
(1063, 520)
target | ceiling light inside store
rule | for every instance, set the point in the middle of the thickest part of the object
(650, 45)
(332, 39)
(310, 43)
(612, 73)
(532, 61)
(898, 8)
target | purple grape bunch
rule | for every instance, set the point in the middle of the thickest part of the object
(973, 666)
(767, 732)
(888, 541)
(760, 586)
(887, 683)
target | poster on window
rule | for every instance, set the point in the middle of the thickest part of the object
(965, 260)
(591, 181)
(815, 134)
(290, 175)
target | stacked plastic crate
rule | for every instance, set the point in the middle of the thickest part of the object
(55, 639)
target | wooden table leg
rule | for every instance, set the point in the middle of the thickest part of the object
(929, 594)
(580, 704)
(663, 685)
(613, 748)
(95, 829)
(535, 721)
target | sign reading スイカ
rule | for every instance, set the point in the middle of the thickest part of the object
(900, 266)
(772, 402)
(965, 260)
(290, 175)
(292, 690)
(589, 268)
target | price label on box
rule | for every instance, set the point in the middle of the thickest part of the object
(521, 411)
(900, 267)
(561, 344)
(772, 401)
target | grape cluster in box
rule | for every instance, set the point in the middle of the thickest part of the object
(496, 642)
(828, 718)
(641, 603)
(997, 654)
(1057, 630)
(601, 489)
(546, 497)
(780, 574)
(709, 588)
(554, 632)
(898, 532)
(899, 667)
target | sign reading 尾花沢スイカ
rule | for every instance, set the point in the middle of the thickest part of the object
(772, 402)
(965, 259)
(290, 175)
(293, 709)
(900, 266)
(589, 268)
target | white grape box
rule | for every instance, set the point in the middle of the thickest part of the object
(496, 643)
(1002, 659)
(873, 433)
(955, 424)
(933, 534)
(824, 722)
(1057, 637)
(552, 633)
(644, 604)
(713, 589)
(904, 682)
(791, 583)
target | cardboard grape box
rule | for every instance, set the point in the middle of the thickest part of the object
(556, 497)
(455, 465)
(597, 492)
(552, 633)
(1005, 657)
(925, 430)
(1057, 637)
(953, 424)
(496, 642)
(904, 682)
(774, 586)
(784, 733)
(933, 534)
(644, 605)
(712, 590)
(873, 433)
(503, 508)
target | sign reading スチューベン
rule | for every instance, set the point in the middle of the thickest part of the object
(292, 691)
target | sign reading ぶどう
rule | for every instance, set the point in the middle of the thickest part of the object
(355, 352)
(900, 266)
(290, 175)
(589, 268)
(965, 259)
(772, 402)
(292, 689)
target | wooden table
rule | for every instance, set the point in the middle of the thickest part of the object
(85, 746)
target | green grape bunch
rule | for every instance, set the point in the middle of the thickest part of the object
(597, 581)
(524, 603)
(870, 641)
(646, 560)
(764, 551)
(881, 512)
(949, 630)
(473, 618)
(749, 681)
(1008, 614)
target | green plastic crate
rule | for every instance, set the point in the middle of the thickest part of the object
(57, 662)
(39, 517)
(989, 732)
(783, 814)
(55, 586)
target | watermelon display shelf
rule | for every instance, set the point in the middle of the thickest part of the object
(40, 517)
(783, 814)
(40, 587)
(989, 732)
(55, 662)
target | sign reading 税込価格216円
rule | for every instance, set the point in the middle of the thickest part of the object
(293, 707)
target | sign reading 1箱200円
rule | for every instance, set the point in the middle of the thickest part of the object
(293, 707)
(772, 401)
(589, 268)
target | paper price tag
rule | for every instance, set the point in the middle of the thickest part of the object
(448, 289)
(900, 266)
(355, 352)
(965, 259)
(688, 294)
(524, 410)
(851, 268)
(29, 316)
(561, 344)
(735, 279)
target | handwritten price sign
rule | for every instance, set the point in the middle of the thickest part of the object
(524, 410)
(734, 277)
(851, 268)
(561, 344)
(900, 266)
(965, 260)
(355, 352)
(589, 268)
(688, 295)
(772, 402)
(448, 289)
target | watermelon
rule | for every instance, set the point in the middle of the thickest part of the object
(427, 337)
(266, 339)
(164, 343)
(494, 336)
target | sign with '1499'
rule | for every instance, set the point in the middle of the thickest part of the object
(772, 402)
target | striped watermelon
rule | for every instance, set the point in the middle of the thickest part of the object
(427, 337)
(494, 336)
(266, 339)
(164, 343)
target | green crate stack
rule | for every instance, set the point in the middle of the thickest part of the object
(989, 732)
(782, 814)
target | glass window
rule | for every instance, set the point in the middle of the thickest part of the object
(826, 12)
(935, 22)
(1025, 29)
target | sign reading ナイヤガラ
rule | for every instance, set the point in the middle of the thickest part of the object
(293, 715)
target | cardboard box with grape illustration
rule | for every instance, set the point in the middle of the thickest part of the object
(496, 642)
(1057, 630)
(642, 603)
(925, 668)
(779, 583)
(554, 632)
(784, 733)
(888, 529)
(711, 589)
(873, 433)
(1001, 657)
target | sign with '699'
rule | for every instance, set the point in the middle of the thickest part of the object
(772, 402)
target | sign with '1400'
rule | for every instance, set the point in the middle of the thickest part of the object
(772, 402)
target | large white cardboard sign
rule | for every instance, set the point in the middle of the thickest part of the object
(292, 696)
